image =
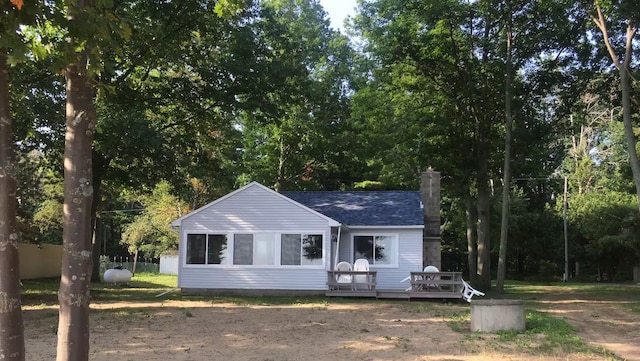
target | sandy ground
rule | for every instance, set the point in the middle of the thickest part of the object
(378, 330)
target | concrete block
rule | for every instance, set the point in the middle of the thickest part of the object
(497, 315)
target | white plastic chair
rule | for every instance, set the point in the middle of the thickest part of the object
(344, 279)
(468, 292)
(361, 264)
(432, 269)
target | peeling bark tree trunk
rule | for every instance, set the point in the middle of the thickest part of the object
(11, 326)
(73, 326)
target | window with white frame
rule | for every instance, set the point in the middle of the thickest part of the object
(206, 248)
(300, 249)
(377, 249)
(255, 249)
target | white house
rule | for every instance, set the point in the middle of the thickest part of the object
(256, 240)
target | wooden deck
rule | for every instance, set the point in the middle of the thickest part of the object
(422, 285)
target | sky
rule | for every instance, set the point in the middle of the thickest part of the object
(338, 10)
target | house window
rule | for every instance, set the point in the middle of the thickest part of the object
(196, 248)
(378, 250)
(214, 246)
(254, 249)
(243, 249)
(300, 249)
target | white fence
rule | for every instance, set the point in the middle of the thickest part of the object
(143, 264)
(169, 264)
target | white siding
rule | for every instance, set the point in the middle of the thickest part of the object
(254, 209)
(409, 255)
(253, 278)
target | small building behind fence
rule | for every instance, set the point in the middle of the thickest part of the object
(169, 264)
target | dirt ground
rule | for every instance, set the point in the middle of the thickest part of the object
(367, 331)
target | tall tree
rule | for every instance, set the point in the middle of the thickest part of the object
(623, 16)
(73, 296)
(11, 326)
(437, 95)
(436, 73)
(506, 170)
(297, 143)
(12, 15)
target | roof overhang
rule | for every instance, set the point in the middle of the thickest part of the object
(331, 222)
(417, 226)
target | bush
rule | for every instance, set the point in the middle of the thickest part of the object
(547, 272)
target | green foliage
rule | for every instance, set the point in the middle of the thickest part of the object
(150, 232)
(369, 185)
(548, 271)
(607, 221)
(47, 219)
(297, 138)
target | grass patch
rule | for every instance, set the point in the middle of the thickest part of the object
(545, 335)
(557, 332)
(459, 321)
(41, 292)
(271, 300)
(590, 291)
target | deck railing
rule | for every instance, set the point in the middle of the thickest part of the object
(448, 282)
(351, 280)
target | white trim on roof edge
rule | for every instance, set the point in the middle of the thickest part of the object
(417, 226)
(332, 222)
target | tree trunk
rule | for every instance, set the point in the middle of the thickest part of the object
(11, 325)
(282, 163)
(135, 262)
(484, 241)
(506, 177)
(73, 326)
(624, 70)
(472, 240)
(100, 165)
(483, 206)
(626, 113)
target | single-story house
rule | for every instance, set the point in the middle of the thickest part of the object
(257, 240)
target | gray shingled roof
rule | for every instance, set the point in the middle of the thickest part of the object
(365, 208)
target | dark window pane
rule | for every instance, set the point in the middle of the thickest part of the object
(312, 249)
(217, 249)
(290, 249)
(384, 249)
(196, 247)
(363, 248)
(243, 249)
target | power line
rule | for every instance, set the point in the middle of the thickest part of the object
(123, 210)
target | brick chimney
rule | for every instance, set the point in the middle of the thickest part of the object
(430, 191)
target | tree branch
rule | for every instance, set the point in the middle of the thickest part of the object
(602, 25)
